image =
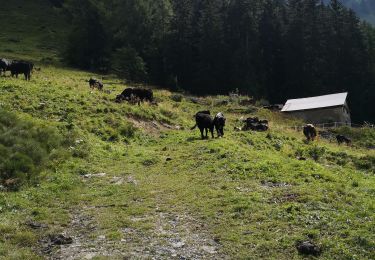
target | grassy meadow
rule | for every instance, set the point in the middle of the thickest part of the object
(130, 169)
(128, 181)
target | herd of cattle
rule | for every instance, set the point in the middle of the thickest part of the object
(135, 95)
(311, 133)
(203, 119)
(16, 67)
(206, 123)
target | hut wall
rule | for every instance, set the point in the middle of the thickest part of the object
(323, 115)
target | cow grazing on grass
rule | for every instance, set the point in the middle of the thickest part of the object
(261, 127)
(204, 122)
(94, 83)
(125, 95)
(254, 124)
(219, 123)
(137, 94)
(343, 139)
(310, 132)
(21, 67)
(143, 94)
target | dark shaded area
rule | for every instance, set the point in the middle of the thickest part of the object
(57, 3)
(272, 49)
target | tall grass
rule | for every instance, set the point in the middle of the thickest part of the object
(25, 150)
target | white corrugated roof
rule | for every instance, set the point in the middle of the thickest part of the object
(315, 102)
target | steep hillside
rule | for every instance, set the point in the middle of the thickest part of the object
(31, 30)
(84, 177)
(135, 183)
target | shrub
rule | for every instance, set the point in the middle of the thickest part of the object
(25, 150)
(365, 163)
(316, 152)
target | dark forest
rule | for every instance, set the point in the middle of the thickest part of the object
(270, 49)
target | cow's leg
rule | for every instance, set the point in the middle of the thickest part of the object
(201, 129)
(212, 132)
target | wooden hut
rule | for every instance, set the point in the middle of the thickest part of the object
(320, 110)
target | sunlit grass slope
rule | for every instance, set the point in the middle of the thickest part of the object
(248, 190)
(248, 193)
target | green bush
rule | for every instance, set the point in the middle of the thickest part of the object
(25, 150)
(365, 163)
(316, 152)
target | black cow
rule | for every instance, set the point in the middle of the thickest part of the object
(204, 122)
(94, 83)
(5, 65)
(139, 94)
(255, 124)
(343, 139)
(143, 94)
(125, 95)
(207, 112)
(219, 123)
(310, 132)
(262, 127)
(21, 67)
(251, 120)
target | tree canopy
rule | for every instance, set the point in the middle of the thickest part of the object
(272, 49)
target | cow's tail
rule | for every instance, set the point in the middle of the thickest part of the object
(193, 127)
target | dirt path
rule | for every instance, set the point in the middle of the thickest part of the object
(172, 236)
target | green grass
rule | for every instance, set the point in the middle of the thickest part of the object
(26, 149)
(32, 30)
(224, 183)
(246, 191)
